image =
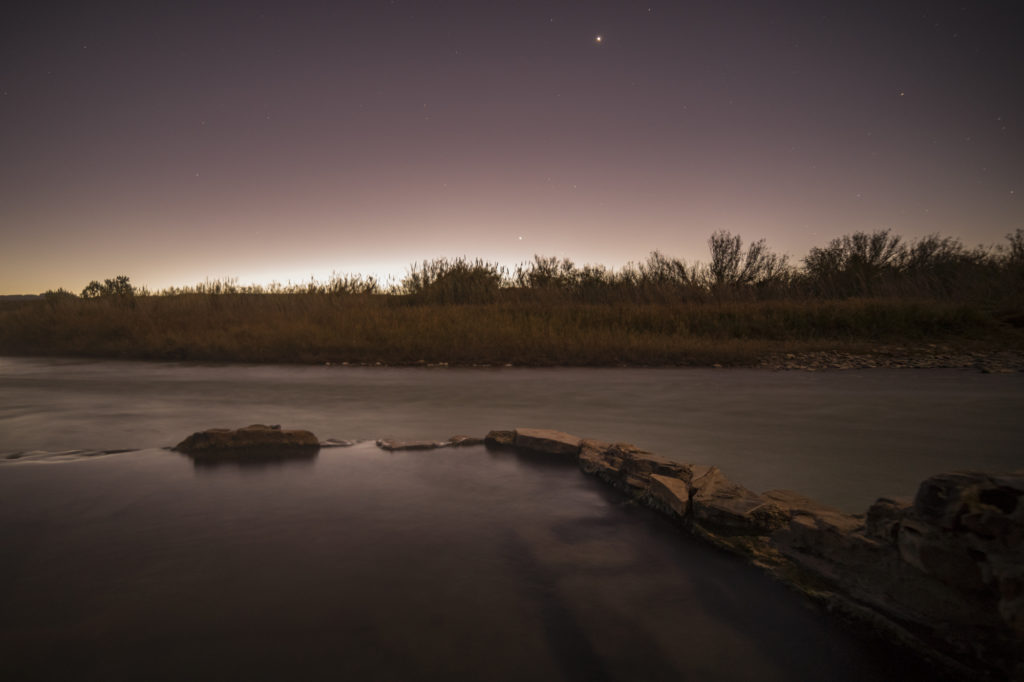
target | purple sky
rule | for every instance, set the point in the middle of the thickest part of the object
(279, 141)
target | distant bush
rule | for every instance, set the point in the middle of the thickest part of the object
(858, 265)
(853, 265)
(119, 287)
(1015, 252)
(454, 281)
(52, 296)
(732, 268)
(858, 291)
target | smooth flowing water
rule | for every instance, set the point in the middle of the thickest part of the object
(459, 564)
(844, 438)
(365, 565)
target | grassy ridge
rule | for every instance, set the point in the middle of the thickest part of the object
(391, 330)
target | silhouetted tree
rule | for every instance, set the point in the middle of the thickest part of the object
(731, 267)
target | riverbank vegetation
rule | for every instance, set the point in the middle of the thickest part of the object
(855, 294)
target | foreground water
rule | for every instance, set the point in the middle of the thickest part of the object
(361, 564)
(451, 564)
(842, 437)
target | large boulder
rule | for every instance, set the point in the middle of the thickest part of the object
(251, 439)
(948, 567)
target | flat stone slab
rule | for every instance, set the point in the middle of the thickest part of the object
(547, 441)
(253, 438)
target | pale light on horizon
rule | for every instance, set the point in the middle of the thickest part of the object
(360, 145)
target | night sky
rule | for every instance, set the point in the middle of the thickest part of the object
(279, 141)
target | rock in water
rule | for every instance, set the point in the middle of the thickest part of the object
(547, 441)
(942, 574)
(500, 439)
(251, 439)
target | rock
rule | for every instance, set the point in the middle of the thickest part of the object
(252, 439)
(942, 574)
(595, 458)
(883, 518)
(639, 465)
(940, 500)
(669, 494)
(940, 554)
(626, 466)
(721, 506)
(500, 439)
(392, 445)
(813, 513)
(547, 441)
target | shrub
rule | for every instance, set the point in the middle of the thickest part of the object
(454, 281)
(731, 268)
(853, 265)
(52, 296)
(119, 286)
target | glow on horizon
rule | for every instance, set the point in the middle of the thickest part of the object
(276, 145)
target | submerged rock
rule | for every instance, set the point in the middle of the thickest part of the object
(464, 441)
(335, 443)
(253, 439)
(392, 444)
(453, 442)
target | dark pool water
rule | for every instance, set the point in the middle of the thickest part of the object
(360, 564)
(452, 564)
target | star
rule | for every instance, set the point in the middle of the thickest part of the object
(599, 39)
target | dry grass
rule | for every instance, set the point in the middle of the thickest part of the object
(391, 329)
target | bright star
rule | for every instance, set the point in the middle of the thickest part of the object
(598, 38)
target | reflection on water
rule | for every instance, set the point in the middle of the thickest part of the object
(254, 458)
(456, 564)
(841, 437)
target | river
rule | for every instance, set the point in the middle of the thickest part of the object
(456, 564)
(843, 437)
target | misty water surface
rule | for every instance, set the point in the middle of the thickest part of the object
(360, 564)
(842, 437)
(456, 564)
